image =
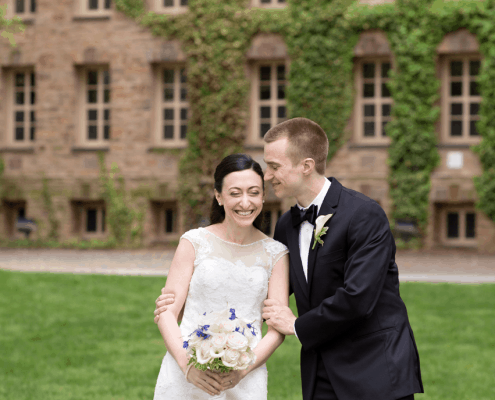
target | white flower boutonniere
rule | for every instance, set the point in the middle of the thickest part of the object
(320, 228)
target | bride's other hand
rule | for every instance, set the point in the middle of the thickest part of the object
(205, 380)
(232, 378)
(162, 303)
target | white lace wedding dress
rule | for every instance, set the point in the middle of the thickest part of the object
(226, 275)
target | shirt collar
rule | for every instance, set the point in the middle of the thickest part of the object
(318, 200)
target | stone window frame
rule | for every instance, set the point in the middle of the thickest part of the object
(102, 11)
(176, 8)
(161, 210)
(462, 211)
(269, 4)
(465, 100)
(11, 211)
(81, 208)
(28, 15)
(28, 108)
(104, 109)
(273, 103)
(178, 105)
(377, 101)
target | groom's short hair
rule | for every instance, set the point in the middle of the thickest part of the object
(306, 139)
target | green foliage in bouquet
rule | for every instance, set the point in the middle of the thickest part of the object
(215, 365)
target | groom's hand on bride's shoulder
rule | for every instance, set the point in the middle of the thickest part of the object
(162, 303)
(279, 317)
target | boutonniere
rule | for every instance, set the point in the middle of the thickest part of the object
(320, 228)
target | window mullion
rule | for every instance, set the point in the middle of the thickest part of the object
(379, 99)
(274, 94)
(100, 95)
(177, 97)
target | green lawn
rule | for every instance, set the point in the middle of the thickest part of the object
(66, 337)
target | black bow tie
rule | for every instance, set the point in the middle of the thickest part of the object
(298, 215)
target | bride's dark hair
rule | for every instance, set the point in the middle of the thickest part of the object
(234, 163)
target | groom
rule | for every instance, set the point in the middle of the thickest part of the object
(357, 343)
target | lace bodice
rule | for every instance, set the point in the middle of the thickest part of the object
(228, 275)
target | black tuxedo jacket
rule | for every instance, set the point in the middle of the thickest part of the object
(350, 310)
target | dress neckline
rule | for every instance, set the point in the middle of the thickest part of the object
(236, 244)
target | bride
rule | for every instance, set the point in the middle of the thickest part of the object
(229, 264)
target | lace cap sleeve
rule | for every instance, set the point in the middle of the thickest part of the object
(199, 242)
(276, 250)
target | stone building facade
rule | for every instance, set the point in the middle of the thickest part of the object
(84, 78)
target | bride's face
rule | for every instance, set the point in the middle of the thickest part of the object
(241, 197)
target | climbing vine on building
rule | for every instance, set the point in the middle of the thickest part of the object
(320, 36)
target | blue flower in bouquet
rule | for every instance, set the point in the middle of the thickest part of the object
(199, 332)
(185, 345)
(253, 329)
(232, 317)
(238, 329)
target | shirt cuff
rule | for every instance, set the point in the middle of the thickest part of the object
(295, 333)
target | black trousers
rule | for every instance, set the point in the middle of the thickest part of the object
(323, 387)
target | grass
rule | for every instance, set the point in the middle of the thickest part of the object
(66, 337)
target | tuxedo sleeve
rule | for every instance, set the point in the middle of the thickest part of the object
(281, 236)
(370, 248)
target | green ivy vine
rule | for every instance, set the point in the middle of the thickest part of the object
(53, 222)
(125, 222)
(320, 36)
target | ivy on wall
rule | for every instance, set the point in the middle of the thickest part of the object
(321, 35)
(125, 221)
(53, 222)
(8, 27)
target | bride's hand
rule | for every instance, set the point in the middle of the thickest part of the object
(232, 378)
(205, 380)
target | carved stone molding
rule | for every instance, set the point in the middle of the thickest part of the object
(266, 46)
(460, 41)
(372, 44)
(170, 51)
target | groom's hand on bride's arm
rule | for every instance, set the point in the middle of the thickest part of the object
(279, 317)
(162, 303)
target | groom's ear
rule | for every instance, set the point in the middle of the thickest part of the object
(308, 166)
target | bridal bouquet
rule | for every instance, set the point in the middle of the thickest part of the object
(222, 342)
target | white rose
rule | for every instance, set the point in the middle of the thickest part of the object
(230, 358)
(237, 341)
(219, 340)
(203, 352)
(227, 326)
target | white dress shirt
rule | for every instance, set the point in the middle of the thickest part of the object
(306, 230)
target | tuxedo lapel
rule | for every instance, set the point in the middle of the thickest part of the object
(328, 206)
(295, 257)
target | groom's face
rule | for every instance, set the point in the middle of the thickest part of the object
(285, 177)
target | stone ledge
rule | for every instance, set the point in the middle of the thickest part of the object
(17, 149)
(368, 146)
(88, 148)
(91, 17)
